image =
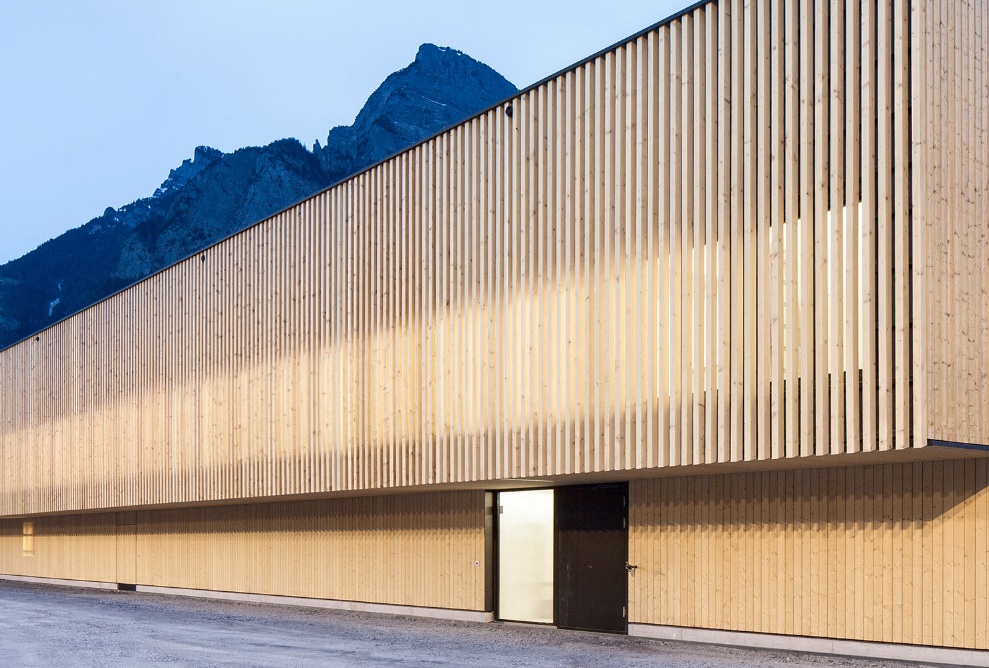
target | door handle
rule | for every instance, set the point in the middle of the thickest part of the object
(630, 567)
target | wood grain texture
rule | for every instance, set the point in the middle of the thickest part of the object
(679, 252)
(420, 549)
(951, 139)
(841, 540)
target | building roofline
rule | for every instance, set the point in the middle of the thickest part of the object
(524, 91)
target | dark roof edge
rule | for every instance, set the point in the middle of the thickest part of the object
(614, 47)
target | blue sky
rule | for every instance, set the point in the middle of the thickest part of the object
(101, 99)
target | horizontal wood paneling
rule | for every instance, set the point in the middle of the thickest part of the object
(642, 262)
(895, 553)
(421, 550)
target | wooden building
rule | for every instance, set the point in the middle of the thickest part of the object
(710, 304)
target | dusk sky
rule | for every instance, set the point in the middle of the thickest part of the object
(101, 99)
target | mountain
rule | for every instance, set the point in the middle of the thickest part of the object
(408, 100)
(215, 194)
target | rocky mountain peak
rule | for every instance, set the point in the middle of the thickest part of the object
(202, 158)
(441, 87)
(214, 194)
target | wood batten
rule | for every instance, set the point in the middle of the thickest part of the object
(422, 550)
(713, 243)
(889, 553)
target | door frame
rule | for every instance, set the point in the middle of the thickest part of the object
(495, 551)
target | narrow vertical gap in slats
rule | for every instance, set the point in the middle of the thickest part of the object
(324, 414)
(529, 319)
(568, 208)
(622, 226)
(869, 234)
(474, 251)
(544, 285)
(701, 218)
(650, 103)
(459, 313)
(725, 127)
(737, 283)
(410, 354)
(822, 261)
(838, 218)
(687, 222)
(596, 278)
(352, 323)
(377, 419)
(499, 222)
(423, 282)
(676, 177)
(523, 195)
(513, 187)
(429, 166)
(503, 219)
(779, 223)
(632, 257)
(392, 322)
(766, 267)
(711, 258)
(563, 281)
(481, 141)
(334, 341)
(440, 324)
(791, 212)
(884, 222)
(582, 236)
(363, 279)
(661, 223)
(903, 223)
(448, 353)
(609, 217)
(853, 305)
(418, 312)
(451, 354)
(806, 312)
(749, 220)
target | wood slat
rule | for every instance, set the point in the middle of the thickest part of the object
(851, 524)
(709, 244)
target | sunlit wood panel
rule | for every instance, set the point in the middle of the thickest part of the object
(695, 248)
(893, 553)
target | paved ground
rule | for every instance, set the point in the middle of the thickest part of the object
(52, 626)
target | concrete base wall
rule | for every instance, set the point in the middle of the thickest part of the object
(850, 648)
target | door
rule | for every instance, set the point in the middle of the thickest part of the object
(592, 554)
(525, 556)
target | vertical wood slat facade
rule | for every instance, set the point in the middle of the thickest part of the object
(756, 231)
(661, 257)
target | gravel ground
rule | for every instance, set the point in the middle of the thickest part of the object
(42, 625)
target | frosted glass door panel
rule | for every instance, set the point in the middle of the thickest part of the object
(525, 556)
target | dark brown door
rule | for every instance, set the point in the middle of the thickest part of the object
(591, 555)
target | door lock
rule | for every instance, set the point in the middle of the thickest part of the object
(630, 567)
